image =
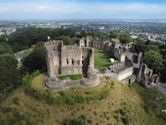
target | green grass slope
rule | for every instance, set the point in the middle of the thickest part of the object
(123, 105)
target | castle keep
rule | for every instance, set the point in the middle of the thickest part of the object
(68, 60)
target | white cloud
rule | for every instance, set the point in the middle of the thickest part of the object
(75, 10)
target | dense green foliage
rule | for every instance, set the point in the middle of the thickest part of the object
(36, 60)
(27, 79)
(24, 38)
(125, 39)
(140, 45)
(5, 48)
(152, 47)
(115, 35)
(154, 60)
(9, 75)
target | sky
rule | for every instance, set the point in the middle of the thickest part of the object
(82, 9)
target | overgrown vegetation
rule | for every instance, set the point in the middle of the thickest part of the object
(36, 60)
(24, 38)
(27, 79)
(72, 77)
(75, 121)
(9, 74)
(153, 103)
(70, 97)
(154, 56)
(122, 106)
(5, 48)
(125, 38)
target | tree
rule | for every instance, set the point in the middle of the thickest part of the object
(154, 60)
(5, 48)
(140, 45)
(125, 39)
(67, 40)
(163, 75)
(114, 35)
(152, 47)
(9, 75)
(36, 60)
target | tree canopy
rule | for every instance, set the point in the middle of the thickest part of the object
(115, 35)
(24, 38)
(5, 48)
(125, 39)
(152, 47)
(9, 75)
(36, 60)
(154, 60)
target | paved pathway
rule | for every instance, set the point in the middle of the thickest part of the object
(162, 88)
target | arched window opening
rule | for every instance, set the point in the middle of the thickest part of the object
(73, 62)
(78, 62)
(67, 61)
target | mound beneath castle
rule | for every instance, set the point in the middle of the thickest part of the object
(68, 83)
(109, 103)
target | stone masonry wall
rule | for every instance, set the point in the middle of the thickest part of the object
(68, 60)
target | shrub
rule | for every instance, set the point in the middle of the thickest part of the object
(75, 121)
(27, 79)
(72, 77)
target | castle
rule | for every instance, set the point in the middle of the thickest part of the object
(128, 67)
(68, 60)
(79, 59)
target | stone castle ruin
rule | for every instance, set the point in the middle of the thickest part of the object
(79, 59)
(68, 60)
(128, 67)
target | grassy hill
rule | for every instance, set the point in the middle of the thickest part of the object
(122, 105)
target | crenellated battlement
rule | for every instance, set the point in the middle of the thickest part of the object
(53, 43)
(67, 60)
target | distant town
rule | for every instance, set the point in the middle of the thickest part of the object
(153, 30)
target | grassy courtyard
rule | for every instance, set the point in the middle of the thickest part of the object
(101, 60)
(72, 77)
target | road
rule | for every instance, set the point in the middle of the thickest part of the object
(162, 88)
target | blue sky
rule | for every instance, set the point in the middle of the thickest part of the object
(82, 9)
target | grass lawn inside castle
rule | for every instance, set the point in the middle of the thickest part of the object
(101, 60)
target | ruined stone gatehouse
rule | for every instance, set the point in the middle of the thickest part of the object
(68, 60)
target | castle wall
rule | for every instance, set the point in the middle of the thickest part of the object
(71, 62)
(68, 60)
(53, 57)
(125, 73)
(87, 60)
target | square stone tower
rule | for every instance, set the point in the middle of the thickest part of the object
(68, 60)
